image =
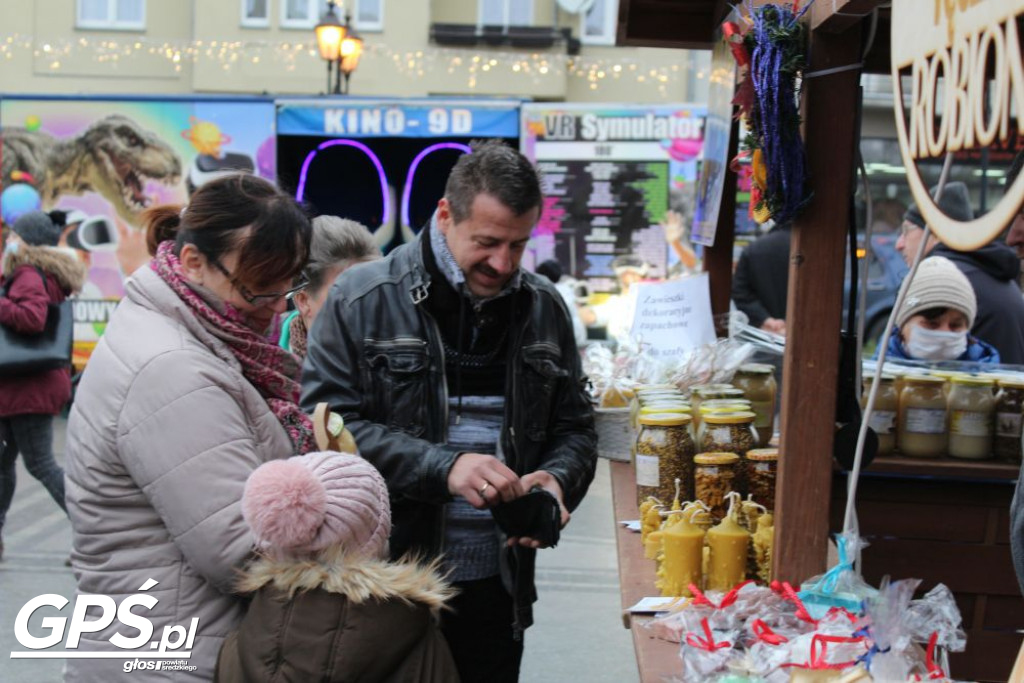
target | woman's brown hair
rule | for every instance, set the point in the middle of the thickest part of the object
(269, 229)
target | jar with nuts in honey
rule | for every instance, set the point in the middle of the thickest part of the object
(762, 466)
(664, 453)
(728, 432)
(714, 478)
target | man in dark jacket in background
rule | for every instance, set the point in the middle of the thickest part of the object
(458, 374)
(761, 281)
(993, 270)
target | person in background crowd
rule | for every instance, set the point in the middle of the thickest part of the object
(761, 281)
(35, 275)
(327, 605)
(937, 313)
(458, 375)
(1015, 236)
(338, 244)
(675, 235)
(183, 398)
(616, 312)
(992, 270)
(566, 286)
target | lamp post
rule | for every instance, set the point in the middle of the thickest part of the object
(340, 46)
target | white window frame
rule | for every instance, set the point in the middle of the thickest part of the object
(248, 22)
(110, 24)
(611, 21)
(312, 6)
(505, 14)
(369, 26)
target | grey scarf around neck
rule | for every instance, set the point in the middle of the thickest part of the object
(449, 267)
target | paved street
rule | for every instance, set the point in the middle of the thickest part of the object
(578, 635)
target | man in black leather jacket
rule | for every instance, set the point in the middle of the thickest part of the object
(458, 374)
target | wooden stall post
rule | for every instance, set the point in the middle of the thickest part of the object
(718, 258)
(813, 310)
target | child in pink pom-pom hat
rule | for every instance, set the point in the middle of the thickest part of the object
(327, 604)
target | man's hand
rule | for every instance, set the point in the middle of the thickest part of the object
(546, 481)
(483, 480)
(776, 325)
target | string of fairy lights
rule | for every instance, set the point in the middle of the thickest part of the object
(66, 54)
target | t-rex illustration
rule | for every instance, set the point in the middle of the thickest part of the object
(114, 157)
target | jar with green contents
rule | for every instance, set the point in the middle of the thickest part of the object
(664, 453)
(1009, 408)
(921, 431)
(714, 478)
(972, 409)
(757, 382)
(883, 417)
(762, 465)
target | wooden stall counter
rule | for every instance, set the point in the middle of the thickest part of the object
(655, 658)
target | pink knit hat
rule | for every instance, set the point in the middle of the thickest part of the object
(314, 501)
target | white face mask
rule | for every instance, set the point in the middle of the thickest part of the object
(925, 344)
(12, 247)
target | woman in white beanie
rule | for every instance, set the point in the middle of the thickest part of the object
(327, 603)
(936, 316)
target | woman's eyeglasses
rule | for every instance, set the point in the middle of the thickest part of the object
(259, 299)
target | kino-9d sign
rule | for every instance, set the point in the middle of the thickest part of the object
(962, 60)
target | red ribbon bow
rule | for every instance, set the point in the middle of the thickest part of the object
(765, 634)
(728, 599)
(819, 653)
(788, 593)
(708, 641)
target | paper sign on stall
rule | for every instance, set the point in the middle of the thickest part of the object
(672, 318)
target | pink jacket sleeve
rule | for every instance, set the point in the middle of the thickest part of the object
(24, 307)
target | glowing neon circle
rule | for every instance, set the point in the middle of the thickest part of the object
(362, 148)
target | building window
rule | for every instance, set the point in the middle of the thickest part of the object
(505, 13)
(598, 24)
(255, 14)
(367, 15)
(120, 15)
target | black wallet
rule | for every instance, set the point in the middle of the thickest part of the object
(535, 515)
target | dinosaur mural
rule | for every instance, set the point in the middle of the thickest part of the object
(114, 157)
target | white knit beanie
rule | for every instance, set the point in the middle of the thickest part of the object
(939, 284)
(311, 502)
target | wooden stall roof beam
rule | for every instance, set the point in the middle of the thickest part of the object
(718, 258)
(688, 24)
(813, 310)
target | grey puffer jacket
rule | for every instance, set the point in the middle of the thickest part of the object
(376, 357)
(163, 434)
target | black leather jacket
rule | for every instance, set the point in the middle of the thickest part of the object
(375, 356)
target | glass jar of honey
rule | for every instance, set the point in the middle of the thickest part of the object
(921, 432)
(971, 417)
(762, 466)
(757, 382)
(1009, 409)
(664, 453)
(714, 478)
(883, 417)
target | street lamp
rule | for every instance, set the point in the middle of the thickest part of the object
(340, 46)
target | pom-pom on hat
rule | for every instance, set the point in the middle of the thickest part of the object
(311, 502)
(955, 203)
(37, 229)
(938, 283)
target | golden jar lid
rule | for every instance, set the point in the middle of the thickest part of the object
(763, 454)
(649, 396)
(665, 419)
(755, 369)
(644, 388)
(716, 459)
(1008, 383)
(729, 418)
(724, 408)
(972, 381)
(656, 408)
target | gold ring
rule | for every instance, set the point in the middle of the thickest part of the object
(483, 489)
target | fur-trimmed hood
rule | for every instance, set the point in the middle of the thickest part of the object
(357, 578)
(69, 271)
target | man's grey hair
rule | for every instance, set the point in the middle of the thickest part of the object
(337, 242)
(493, 168)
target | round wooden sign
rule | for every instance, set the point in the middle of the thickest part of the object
(961, 61)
